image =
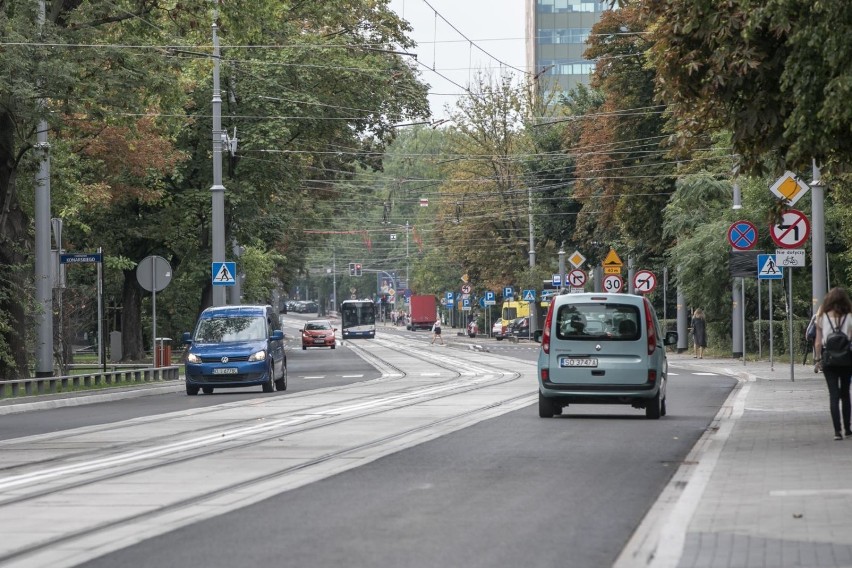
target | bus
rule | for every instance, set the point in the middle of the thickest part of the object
(358, 318)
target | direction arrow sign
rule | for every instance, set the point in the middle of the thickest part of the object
(742, 235)
(576, 278)
(767, 268)
(792, 231)
(644, 281)
(612, 283)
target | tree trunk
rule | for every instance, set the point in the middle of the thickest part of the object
(132, 348)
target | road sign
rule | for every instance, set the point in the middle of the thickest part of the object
(465, 304)
(508, 292)
(767, 268)
(449, 299)
(154, 273)
(465, 288)
(612, 263)
(792, 231)
(790, 257)
(644, 281)
(489, 298)
(556, 280)
(528, 295)
(789, 187)
(576, 259)
(482, 303)
(224, 273)
(612, 283)
(576, 278)
(742, 235)
(80, 258)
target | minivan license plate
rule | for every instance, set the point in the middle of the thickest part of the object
(578, 362)
(225, 371)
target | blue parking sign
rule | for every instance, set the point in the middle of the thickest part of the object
(508, 292)
(450, 299)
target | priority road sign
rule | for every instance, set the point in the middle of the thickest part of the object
(789, 188)
(767, 268)
(742, 235)
(644, 281)
(576, 278)
(576, 259)
(793, 230)
(612, 283)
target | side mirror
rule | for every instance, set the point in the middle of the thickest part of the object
(671, 338)
(187, 337)
(277, 335)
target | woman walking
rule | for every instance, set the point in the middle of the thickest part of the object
(699, 333)
(836, 310)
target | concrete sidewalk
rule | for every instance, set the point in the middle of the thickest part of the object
(766, 486)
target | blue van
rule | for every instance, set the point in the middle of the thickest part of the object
(602, 349)
(235, 346)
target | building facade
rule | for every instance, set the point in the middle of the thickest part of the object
(556, 35)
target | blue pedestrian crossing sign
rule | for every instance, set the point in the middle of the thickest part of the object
(529, 295)
(489, 299)
(508, 292)
(224, 273)
(768, 269)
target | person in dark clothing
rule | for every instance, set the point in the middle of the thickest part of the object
(836, 310)
(699, 333)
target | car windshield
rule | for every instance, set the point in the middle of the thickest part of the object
(231, 329)
(317, 326)
(595, 322)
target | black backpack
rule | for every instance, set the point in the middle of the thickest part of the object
(835, 348)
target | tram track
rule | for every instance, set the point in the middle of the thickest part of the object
(36, 484)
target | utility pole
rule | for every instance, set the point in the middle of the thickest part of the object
(217, 190)
(533, 311)
(737, 307)
(818, 263)
(43, 280)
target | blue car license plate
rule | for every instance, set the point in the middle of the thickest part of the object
(578, 362)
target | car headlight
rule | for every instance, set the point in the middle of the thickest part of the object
(259, 356)
(193, 358)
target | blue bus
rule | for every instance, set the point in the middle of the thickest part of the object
(358, 318)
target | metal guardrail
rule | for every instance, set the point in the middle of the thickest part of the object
(68, 383)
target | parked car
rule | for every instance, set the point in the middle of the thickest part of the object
(520, 328)
(603, 349)
(318, 333)
(498, 332)
(235, 346)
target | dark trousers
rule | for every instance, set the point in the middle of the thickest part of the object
(837, 379)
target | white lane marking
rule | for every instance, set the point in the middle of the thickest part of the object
(810, 492)
(706, 374)
(352, 376)
(317, 377)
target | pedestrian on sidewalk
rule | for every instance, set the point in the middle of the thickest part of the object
(699, 333)
(436, 332)
(836, 310)
(810, 339)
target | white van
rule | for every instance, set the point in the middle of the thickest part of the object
(602, 349)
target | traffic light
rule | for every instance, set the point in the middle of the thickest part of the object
(357, 269)
(351, 269)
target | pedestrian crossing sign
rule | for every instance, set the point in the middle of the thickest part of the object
(529, 295)
(224, 273)
(768, 269)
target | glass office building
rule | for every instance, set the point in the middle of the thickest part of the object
(556, 36)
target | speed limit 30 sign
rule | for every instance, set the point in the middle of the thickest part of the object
(612, 283)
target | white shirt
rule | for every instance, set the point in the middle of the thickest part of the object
(825, 326)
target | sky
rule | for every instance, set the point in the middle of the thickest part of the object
(494, 26)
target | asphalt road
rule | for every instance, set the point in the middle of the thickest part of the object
(509, 491)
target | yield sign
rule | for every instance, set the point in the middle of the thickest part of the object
(742, 235)
(644, 281)
(792, 231)
(576, 278)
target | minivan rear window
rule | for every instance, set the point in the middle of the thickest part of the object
(598, 322)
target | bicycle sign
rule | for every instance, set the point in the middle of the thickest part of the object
(790, 257)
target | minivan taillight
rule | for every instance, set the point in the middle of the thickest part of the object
(649, 326)
(545, 335)
(545, 375)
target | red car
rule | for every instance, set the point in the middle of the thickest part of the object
(318, 333)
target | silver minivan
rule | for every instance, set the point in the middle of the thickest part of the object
(602, 349)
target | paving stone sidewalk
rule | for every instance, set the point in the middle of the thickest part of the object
(771, 486)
